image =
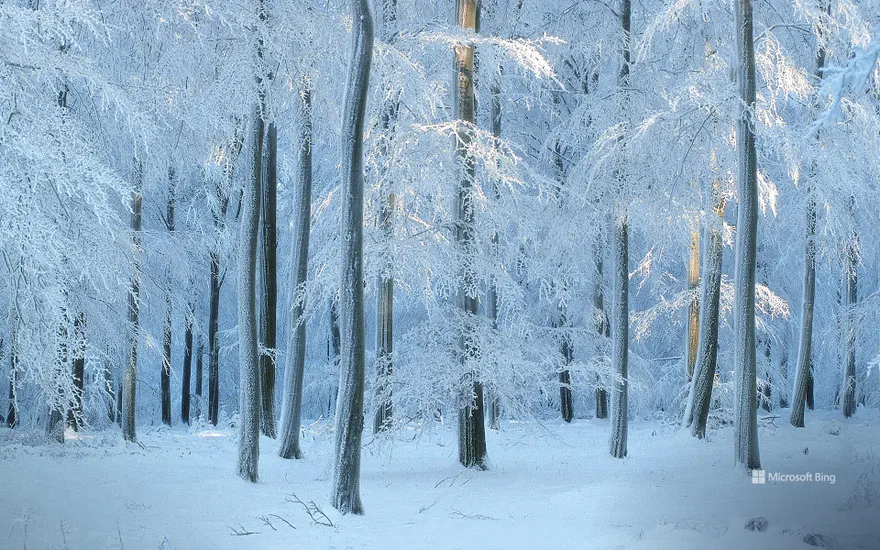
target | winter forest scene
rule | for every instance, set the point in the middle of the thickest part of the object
(498, 274)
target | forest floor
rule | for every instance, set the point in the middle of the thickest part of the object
(550, 485)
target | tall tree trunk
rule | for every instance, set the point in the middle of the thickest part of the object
(248, 345)
(75, 414)
(187, 365)
(566, 404)
(269, 296)
(848, 390)
(704, 373)
(57, 403)
(602, 326)
(492, 291)
(291, 409)
(471, 428)
(213, 342)
(746, 420)
(620, 328)
(385, 282)
(803, 386)
(350, 402)
(166, 332)
(129, 377)
(693, 333)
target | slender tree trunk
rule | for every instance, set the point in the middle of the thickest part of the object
(620, 328)
(566, 405)
(75, 414)
(167, 340)
(693, 333)
(602, 326)
(385, 282)
(291, 409)
(269, 296)
(350, 402)
(704, 373)
(471, 428)
(55, 425)
(12, 414)
(129, 377)
(746, 421)
(848, 401)
(385, 330)
(213, 342)
(803, 386)
(187, 365)
(492, 291)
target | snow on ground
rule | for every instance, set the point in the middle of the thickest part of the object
(550, 486)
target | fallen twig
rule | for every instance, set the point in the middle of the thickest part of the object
(314, 511)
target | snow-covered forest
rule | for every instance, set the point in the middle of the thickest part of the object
(490, 274)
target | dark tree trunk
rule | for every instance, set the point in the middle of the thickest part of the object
(848, 401)
(167, 334)
(471, 428)
(602, 326)
(269, 297)
(187, 366)
(12, 415)
(75, 414)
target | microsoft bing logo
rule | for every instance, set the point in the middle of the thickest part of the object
(759, 477)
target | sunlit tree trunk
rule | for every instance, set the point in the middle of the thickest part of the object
(291, 408)
(471, 428)
(269, 296)
(693, 326)
(620, 247)
(745, 416)
(345, 495)
(129, 377)
(704, 374)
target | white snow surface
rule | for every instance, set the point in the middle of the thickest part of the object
(550, 485)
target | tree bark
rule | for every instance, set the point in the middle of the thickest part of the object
(602, 326)
(269, 296)
(704, 373)
(693, 333)
(291, 409)
(166, 332)
(75, 414)
(187, 366)
(12, 414)
(746, 421)
(471, 428)
(492, 291)
(350, 401)
(620, 328)
(848, 401)
(803, 387)
(385, 282)
(248, 345)
(129, 377)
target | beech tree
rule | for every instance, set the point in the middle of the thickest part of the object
(745, 417)
(345, 495)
